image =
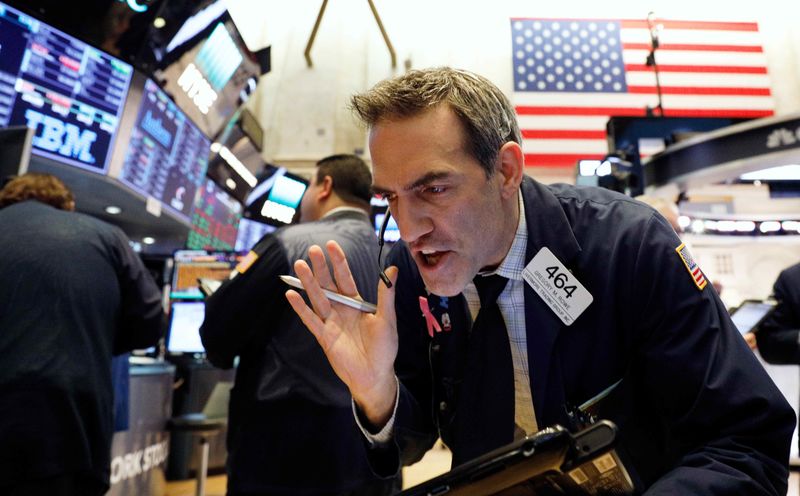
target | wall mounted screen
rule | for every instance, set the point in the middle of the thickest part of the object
(167, 154)
(215, 220)
(71, 94)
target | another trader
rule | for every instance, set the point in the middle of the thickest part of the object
(595, 290)
(73, 294)
(291, 429)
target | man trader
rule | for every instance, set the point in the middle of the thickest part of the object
(73, 294)
(291, 428)
(596, 290)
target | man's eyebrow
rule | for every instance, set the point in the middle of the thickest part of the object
(422, 181)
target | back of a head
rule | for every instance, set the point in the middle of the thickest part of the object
(352, 180)
(44, 188)
(487, 115)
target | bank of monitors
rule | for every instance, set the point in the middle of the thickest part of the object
(167, 154)
(69, 93)
(215, 220)
(250, 232)
(190, 265)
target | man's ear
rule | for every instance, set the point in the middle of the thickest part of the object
(510, 168)
(326, 189)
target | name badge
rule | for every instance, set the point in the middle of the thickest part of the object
(559, 289)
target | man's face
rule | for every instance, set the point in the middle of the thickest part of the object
(448, 212)
(308, 204)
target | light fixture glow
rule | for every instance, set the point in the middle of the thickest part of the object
(230, 183)
(237, 165)
(684, 221)
(159, 22)
(113, 210)
(769, 226)
(148, 240)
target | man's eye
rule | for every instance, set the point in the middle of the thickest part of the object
(387, 196)
(435, 190)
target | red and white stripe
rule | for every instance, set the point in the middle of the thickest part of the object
(706, 69)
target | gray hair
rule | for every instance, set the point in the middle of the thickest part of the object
(483, 109)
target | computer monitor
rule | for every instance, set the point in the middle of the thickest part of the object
(191, 265)
(215, 220)
(70, 93)
(250, 232)
(747, 316)
(15, 151)
(183, 335)
(167, 154)
(275, 199)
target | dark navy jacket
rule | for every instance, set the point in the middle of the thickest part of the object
(697, 413)
(778, 334)
(291, 428)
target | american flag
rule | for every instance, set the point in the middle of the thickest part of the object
(571, 75)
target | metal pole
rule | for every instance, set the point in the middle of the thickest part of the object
(307, 52)
(203, 470)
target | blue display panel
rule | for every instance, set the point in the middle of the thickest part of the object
(167, 155)
(250, 233)
(69, 93)
(215, 220)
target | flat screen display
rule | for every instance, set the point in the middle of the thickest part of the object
(215, 220)
(71, 94)
(186, 317)
(750, 313)
(283, 199)
(250, 232)
(167, 155)
(190, 265)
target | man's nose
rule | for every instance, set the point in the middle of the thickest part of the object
(413, 221)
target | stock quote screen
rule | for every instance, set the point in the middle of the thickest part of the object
(167, 154)
(71, 94)
(215, 220)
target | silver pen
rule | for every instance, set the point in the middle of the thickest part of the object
(338, 298)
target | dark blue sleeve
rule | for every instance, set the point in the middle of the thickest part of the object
(242, 305)
(778, 335)
(415, 429)
(732, 425)
(141, 317)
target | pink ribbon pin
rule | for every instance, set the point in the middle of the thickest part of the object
(430, 320)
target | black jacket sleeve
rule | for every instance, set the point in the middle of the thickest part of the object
(778, 335)
(242, 305)
(141, 314)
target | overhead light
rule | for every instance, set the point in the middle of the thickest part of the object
(113, 210)
(148, 240)
(769, 226)
(684, 221)
(230, 183)
(159, 22)
(698, 226)
(236, 165)
(790, 225)
(782, 173)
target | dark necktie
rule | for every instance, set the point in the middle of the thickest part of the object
(486, 420)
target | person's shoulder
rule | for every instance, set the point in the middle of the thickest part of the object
(791, 273)
(591, 200)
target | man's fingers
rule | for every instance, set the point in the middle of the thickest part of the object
(321, 304)
(341, 269)
(320, 265)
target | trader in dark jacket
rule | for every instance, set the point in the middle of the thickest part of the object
(72, 294)
(291, 429)
(597, 290)
(778, 335)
